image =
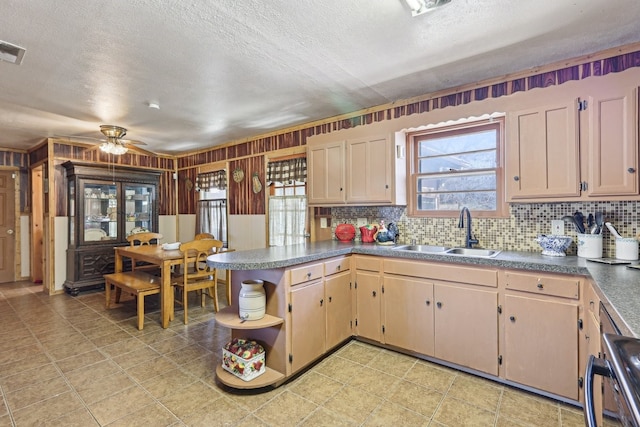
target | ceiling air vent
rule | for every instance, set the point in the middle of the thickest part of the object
(11, 53)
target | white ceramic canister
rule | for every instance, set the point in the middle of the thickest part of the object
(252, 300)
(627, 248)
(590, 245)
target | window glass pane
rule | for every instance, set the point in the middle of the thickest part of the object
(457, 182)
(478, 200)
(469, 141)
(463, 161)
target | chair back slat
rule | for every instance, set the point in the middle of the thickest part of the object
(195, 255)
(144, 238)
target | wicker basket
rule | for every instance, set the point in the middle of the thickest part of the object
(345, 232)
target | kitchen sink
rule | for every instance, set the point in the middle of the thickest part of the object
(473, 252)
(470, 252)
(421, 248)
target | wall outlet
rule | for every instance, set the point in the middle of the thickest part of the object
(557, 227)
(360, 222)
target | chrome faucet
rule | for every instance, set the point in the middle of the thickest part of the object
(469, 240)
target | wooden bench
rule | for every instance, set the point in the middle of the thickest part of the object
(135, 282)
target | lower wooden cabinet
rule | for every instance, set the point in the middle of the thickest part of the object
(541, 331)
(408, 314)
(368, 294)
(320, 309)
(337, 294)
(466, 326)
(308, 324)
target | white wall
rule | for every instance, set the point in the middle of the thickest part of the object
(247, 232)
(186, 228)
(167, 227)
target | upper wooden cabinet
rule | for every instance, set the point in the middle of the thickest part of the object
(325, 163)
(574, 149)
(542, 153)
(358, 171)
(613, 145)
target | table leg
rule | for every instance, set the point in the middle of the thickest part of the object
(166, 298)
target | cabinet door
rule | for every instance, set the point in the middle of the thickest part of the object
(593, 348)
(326, 173)
(337, 290)
(408, 314)
(541, 344)
(466, 327)
(542, 152)
(308, 324)
(368, 305)
(368, 171)
(613, 155)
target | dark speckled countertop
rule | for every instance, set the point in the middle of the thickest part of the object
(619, 286)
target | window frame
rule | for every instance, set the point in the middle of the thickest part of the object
(413, 139)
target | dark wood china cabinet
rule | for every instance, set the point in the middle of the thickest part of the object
(106, 203)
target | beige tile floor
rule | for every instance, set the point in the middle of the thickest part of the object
(66, 361)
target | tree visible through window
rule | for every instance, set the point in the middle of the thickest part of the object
(456, 166)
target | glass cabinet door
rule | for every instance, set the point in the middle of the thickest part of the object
(100, 212)
(72, 212)
(138, 208)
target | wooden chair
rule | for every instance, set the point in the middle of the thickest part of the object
(144, 238)
(201, 236)
(197, 276)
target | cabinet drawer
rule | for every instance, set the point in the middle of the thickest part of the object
(446, 272)
(591, 299)
(306, 273)
(368, 263)
(559, 286)
(337, 266)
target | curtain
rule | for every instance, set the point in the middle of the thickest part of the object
(287, 220)
(287, 170)
(211, 180)
(211, 217)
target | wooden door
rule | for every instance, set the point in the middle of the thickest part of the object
(308, 324)
(613, 154)
(542, 152)
(541, 344)
(466, 327)
(326, 173)
(368, 172)
(408, 314)
(368, 305)
(337, 290)
(7, 226)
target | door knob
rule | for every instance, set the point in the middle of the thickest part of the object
(631, 170)
(9, 231)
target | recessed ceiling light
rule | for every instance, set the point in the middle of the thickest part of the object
(154, 105)
(11, 53)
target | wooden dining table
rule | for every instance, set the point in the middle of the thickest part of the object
(165, 259)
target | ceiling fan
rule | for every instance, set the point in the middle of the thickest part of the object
(114, 142)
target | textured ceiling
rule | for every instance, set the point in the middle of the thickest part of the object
(226, 70)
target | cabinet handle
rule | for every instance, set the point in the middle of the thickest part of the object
(329, 299)
(439, 304)
(631, 170)
(338, 267)
(321, 302)
(428, 302)
(516, 178)
(373, 293)
(512, 318)
(309, 275)
(540, 286)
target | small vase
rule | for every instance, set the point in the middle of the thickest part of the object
(252, 300)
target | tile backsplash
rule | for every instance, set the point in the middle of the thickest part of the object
(515, 233)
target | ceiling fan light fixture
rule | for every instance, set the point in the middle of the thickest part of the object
(418, 7)
(113, 145)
